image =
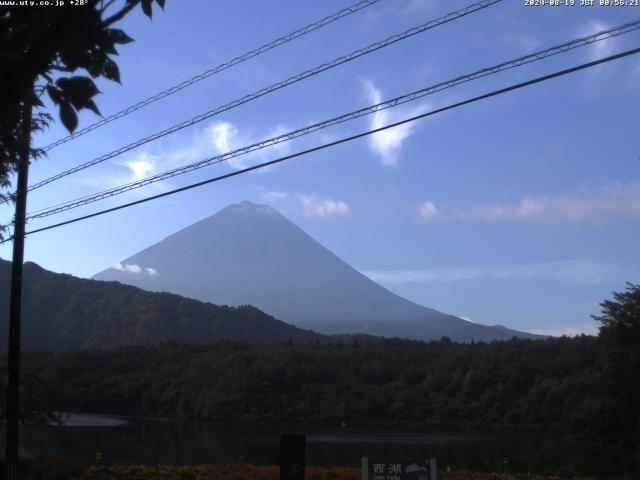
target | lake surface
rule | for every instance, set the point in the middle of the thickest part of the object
(123, 440)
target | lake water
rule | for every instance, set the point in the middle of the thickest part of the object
(123, 440)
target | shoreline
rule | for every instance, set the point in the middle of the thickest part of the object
(390, 427)
(59, 467)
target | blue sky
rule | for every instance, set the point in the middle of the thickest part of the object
(521, 210)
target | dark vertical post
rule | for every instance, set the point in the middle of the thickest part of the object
(15, 307)
(364, 468)
(292, 457)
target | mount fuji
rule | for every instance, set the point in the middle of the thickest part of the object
(250, 254)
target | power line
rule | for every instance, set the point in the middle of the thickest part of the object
(277, 86)
(213, 71)
(345, 139)
(409, 97)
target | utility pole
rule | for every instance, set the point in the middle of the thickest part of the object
(15, 308)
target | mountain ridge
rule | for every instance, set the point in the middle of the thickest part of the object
(63, 312)
(251, 254)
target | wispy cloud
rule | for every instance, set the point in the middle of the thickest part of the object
(584, 271)
(599, 49)
(222, 136)
(388, 143)
(135, 167)
(428, 211)
(314, 206)
(274, 196)
(597, 78)
(225, 137)
(140, 168)
(619, 200)
(214, 139)
(133, 268)
(310, 205)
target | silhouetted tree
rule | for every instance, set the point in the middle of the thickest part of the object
(607, 424)
(39, 48)
(620, 379)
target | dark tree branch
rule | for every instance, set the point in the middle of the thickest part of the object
(119, 15)
(104, 7)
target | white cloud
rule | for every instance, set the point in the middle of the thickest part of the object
(215, 139)
(225, 137)
(600, 49)
(428, 211)
(221, 134)
(140, 168)
(133, 268)
(177, 151)
(387, 143)
(177, 157)
(310, 205)
(221, 137)
(597, 78)
(584, 271)
(136, 167)
(313, 206)
(127, 267)
(619, 200)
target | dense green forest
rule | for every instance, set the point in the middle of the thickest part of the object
(519, 383)
(585, 387)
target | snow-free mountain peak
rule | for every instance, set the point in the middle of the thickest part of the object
(251, 254)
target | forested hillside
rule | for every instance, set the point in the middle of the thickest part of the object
(63, 312)
(587, 388)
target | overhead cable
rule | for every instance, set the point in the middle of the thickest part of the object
(220, 68)
(393, 102)
(493, 93)
(276, 86)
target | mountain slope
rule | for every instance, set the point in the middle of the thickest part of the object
(251, 254)
(62, 312)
